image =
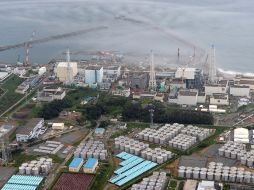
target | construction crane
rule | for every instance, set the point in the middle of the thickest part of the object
(27, 47)
(51, 38)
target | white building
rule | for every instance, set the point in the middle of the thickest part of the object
(62, 71)
(90, 165)
(201, 98)
(221, 87)
(49, 94)
(93, 75)
(31, 130)
(42, 70)
(121, 91)
(206, 185)
(241, 135)
(219, 99)
(187, 97)
(240, 91)
(185, 73)
(58, 126)
(245, 81)
(112, 70)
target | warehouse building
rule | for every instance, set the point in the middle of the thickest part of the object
(76, 164)
(93, 75)
(31, 130)
(49, 94)
(241, 135)
(193, 77)
(206, 185)
(220, 87)
(58, 126)
(240, 91)
(90, 165)
(187, 97)
(219, 99)
(62, 71)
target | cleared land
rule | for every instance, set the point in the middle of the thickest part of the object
(70, 181)
(10, 97)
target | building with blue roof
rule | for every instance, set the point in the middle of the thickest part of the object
(76, 164)
(90, 165)
(99, 131)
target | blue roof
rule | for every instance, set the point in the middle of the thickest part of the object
(132, 167)
(76, 162)
(19, 182)
(90, 163)
(99, 130)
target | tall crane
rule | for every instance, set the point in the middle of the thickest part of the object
(28, 45)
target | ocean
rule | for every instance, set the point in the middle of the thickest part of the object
(134, 28)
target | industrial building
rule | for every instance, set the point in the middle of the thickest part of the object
(90, 165)
(219, 99)
(31, 130)
(4, 75)
(48, 94)
(245, 81)
(99, 131)
(49, 147)
(131, 167)
(58, 126)
(76, 164)
(240, 91)
(187, 97)
(138, 80)
(205, 185)
(66, 71)
(241, 135)
(93, 75)
(193, 77)
(121, 91)
(219, 87)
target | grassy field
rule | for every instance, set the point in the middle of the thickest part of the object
(10, 97)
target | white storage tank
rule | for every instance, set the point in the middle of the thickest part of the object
(210, 176)
(188, 174)
(35, 171)
(22, 170)
(181, 173)
(28, 171)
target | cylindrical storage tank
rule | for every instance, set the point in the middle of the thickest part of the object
(233, 155)
(149, 156)
(202, 175)
(181, 173)
(247, 177)
(24, 164)
(239, 178)
(22, 170)
(89, 154)
(160, 160)
(132, 150)
(35, 171)
(42, 159)
(210, 175)
(154, 157)
(48, 164)
(221, 151)
(34, 162)
(225, 177)
(150, 137)
(117, 144)
(141, 135)
(182, 167)
(50, 160)
(188, 174)
(244, 160)
(250, 162)
(232, 177)
(227, 153)
(127, 148)
(102, 156)
(44, 169)
(122, 146)
(28, 171)
(137, 151)
(146, 136)
(156, 139)
(217, 176)
(195, 174)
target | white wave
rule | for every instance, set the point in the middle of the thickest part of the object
(229, 72)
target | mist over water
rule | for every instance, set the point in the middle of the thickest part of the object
(167, 25)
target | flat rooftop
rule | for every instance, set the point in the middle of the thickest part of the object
(91, 162)
(187, 93)
(76, 162)
(94, 67)
(27, 128)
